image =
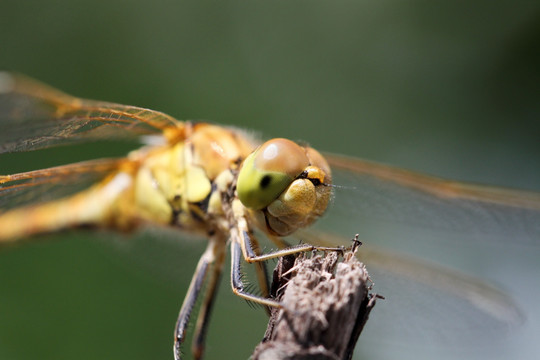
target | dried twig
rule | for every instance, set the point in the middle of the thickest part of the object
(326, 305)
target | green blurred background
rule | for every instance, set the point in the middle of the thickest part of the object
(448, 88)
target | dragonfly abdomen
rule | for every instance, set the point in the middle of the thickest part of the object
(90, 207)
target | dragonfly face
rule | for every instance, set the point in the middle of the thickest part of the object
(216, 181)
(286, 186)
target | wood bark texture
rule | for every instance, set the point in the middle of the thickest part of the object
(326, 303)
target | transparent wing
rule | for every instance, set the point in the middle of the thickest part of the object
(375, 195)
(48, 184)
(34, 116)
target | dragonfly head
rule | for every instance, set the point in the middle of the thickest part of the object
(285, 185)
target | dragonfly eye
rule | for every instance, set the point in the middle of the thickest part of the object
(268, 171)
(286, 184)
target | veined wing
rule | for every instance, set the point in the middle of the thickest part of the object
(34, 115)
(431, 306)
(48, 184)
(391, 196)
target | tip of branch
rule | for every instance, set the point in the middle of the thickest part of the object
(326, 303)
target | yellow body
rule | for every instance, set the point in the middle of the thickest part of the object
(166, 185)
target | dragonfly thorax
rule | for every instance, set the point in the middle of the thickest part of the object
(180, 184)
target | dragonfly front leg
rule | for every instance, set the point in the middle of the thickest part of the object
(207, 259)
(260, 270)
(236, 278)
(243, 236)
(244, 245)
(241, 245)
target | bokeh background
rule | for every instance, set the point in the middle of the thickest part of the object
(447, 88)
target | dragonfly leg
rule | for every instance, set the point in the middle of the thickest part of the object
(251, 256)
(199, 337)
(262, 273)
(260, 267)
(243, 236)
(195, 287)
(244, 244)
(236, 279)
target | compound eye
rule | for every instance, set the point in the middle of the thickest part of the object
(268, 171)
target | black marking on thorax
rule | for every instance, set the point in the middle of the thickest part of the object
(197, 210)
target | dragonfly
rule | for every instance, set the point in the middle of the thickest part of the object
(224, 184)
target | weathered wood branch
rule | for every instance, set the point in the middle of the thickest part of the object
(326, 305)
